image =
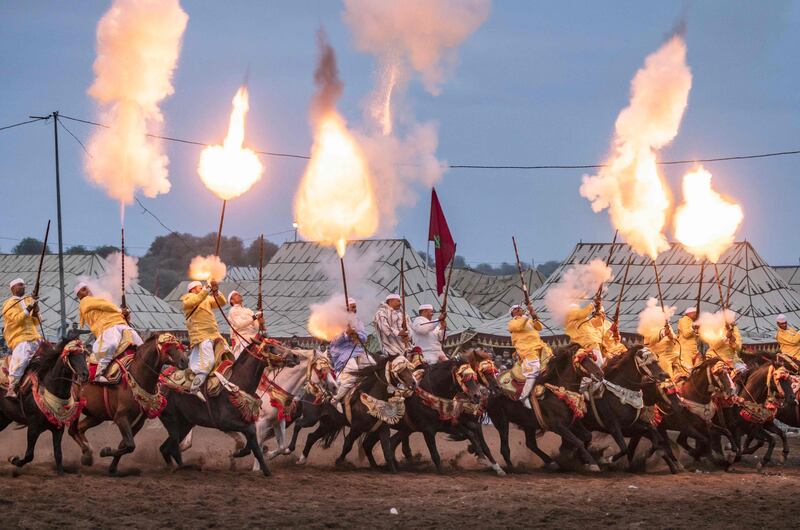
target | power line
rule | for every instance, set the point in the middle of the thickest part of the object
(21, 123)
(484, 166)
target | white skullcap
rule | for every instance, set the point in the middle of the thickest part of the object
(231, 296)
(79, 286)
(16, 281)
(351, 301)
(690, 310)
(781, 319)
(192, 285)
(423, 307)
(393, 296)
(513, 308)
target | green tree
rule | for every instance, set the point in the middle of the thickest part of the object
(78, 249)
(105, 250)
(30, 245)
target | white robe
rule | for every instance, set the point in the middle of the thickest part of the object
(428, 336)
(246, 328)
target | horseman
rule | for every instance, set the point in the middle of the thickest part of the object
(727, 348)
(391, 330)
(109, 325)
(788, 338)
(532, 352)
(428, 334)
(348, 354)
(198, 309)
(246, 323)
(667, 349)
(688, 339)
(21, 316)
(588, 327)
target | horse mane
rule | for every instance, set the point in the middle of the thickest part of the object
(615, 362)
(561, 358)
(364, 375)
(46, 357)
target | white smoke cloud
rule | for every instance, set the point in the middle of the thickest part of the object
(712, 326)
(138, 44)
(422, 35)
(576, 285)
(630, 186)
(652, 318)
(109, 284)
(205, 268)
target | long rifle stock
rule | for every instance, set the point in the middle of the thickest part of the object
(260, 301)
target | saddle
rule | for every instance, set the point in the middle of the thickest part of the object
(181, 380)
(511, 382)
(115, 368)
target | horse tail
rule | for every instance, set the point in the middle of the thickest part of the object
(330, 436)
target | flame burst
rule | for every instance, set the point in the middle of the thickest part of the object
(336, 200)
(229, 170)
(706, 222)
(630, 185)
(329, 319)
(206, 268)
(713, 326)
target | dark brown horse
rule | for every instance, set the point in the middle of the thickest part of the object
(233, 409)
(46, 400)
(132, 400)
(557, 415)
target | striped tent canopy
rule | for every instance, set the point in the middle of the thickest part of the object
(494, 295)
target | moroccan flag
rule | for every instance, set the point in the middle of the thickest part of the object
(439, 233)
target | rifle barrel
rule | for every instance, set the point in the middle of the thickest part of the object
(41, 261)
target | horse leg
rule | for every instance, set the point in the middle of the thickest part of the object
(255, 448)
(570, 437)
(186, 442)
(126, 445)
(530, 443)
(349, 440)
(386, 445)
(487, 452)
(77, 430)
(58, 435)
(430, 441)
(34, 430)
(767, 437)
(311, 439)
(406, 447)
(368, 444)
(280, 440)
(771, 427)
(501, 424)
(660, 440)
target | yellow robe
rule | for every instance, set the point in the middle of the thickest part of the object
(789, 341)
(19, 327)
(99, 314)
(687, 338)
(724, 350)
(526, 339)
(591, 333)
(202, 325)
(668, 352)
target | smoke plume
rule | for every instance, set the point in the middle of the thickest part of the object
(577, 284)
(630, 185)
(712, 326)
(109, 284)
(138, 44)
(326, 77)
(652, 318)
(205, 268)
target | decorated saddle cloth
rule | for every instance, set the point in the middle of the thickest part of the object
(181, 380)
(512, 381)
(121, 362)
(4, 372)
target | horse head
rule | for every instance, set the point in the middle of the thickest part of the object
(73, 356)
(273, 353)
(467, 380)
(171, 351)
(783, 382)
(646, 363)
(319, 373)
(721, 380)
(584, 361)
(400, 374)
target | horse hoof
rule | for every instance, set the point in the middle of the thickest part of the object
(271, 455)
(17, 461)
(60, 472)
(593, 468)
(552, 466)
(499, 470)
(105, 452)
(301, 460)
(87, 459)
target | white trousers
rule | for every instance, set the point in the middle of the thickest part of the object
(107, 343)
(201, 361)
(530, 369)
(347, 377)
(599, 361)
(433, 356)
(20, 357)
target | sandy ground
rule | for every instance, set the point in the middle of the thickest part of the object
(319, 495)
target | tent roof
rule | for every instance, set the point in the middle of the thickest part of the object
(293, 280)
(758, 293)
(494, 295)
(148, 312)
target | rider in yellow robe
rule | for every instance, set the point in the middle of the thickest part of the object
(587, 326)
(532, 352)
(727, 348)
(687, 338)
(788, 338)
(198, 309)
(667, 349)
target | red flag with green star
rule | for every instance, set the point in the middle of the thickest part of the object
(439, 233)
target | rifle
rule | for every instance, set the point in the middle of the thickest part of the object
(525, 291)
(37, 285)
(403, 294)
(697, 307)
(615, 324)
(599, 294)
(260, 302)
(123, 300)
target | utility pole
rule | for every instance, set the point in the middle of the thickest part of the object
(62, 296)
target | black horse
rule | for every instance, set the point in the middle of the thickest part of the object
(234, 409)
(45, 401)
(556, 414)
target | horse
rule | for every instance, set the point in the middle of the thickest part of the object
(692, 408)
(46, 401)
(377, 399)
(617, 403)
(558, 413)
(232, 409)
(449, 399)
(134, 397)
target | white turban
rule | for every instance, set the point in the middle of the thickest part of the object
(393, 296)
(781, 319)
(192, 285)
(423, 307)
(79, 286)
(230, 296)
(16, 281)
(690, 310)
(351, 301)
(514, 308)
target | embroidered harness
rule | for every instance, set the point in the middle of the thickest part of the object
(59, 411)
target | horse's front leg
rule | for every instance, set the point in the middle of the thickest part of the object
(35, 429)
(386, 445)
(280, 439)
(126, 445)
(77, 430)
(58, 435)
(493, 465)
(774, 429)
(255, 448)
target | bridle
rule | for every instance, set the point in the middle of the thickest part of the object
(463, 375)
(392, 371)
(643, 360)
(73, 347)
(579, 357)
(321, 367)
(483, 369)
